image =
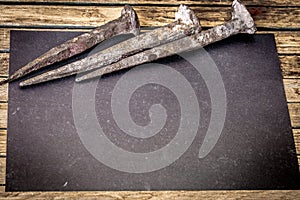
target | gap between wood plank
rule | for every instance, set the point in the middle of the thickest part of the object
(25, 15)
(270, 3)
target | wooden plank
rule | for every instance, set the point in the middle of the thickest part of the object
(292, 89)
(169, 2)
(151, 195)
(4, 60)
(296, 133)
(3, 91)
(29, 15)
(290, 66)
(288, 42)
(70, 16)
(3, 115)
(2, 170)
(3, 136)
(294, 110)
(4, 39)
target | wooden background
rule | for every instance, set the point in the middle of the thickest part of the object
(280, 17)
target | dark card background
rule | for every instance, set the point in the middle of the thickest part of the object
(255, 151)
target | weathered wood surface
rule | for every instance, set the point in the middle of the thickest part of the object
(4, 39)
(290, 66)
(91, 16)
(294, 110)
(3, 134)
(167, 2)
(3, 92)
(78, 14)
(292, 89)
(2, 169)
(158, 195)
(4, 57)
(3, 115)
(296, 133)
(287, 42)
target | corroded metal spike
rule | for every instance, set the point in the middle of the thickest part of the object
(186, 23)
(241, 22)
(127, 23)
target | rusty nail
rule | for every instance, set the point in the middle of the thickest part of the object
(127, 23)
(186, 23)
(241, 22)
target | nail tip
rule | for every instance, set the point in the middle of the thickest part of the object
(4, 81)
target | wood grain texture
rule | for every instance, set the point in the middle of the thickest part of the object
(86, 16)
(4, 39)
(2, 170)
(287, 42)
(3, 92)
(294, 110)
(4, 60)
(292, 89)
(290, 66)
(169, 2)
(3, 115)
(296, 133)
(72, 13)
(157, 195)
(3, 136)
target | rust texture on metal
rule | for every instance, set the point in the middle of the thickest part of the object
(184, 34)
(186, 23)
(126, 23)
(241, 22)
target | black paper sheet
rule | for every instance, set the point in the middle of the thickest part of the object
(215, 118)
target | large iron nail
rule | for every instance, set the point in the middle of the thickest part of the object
(241, 22)
(186, 23)
(127, 23)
